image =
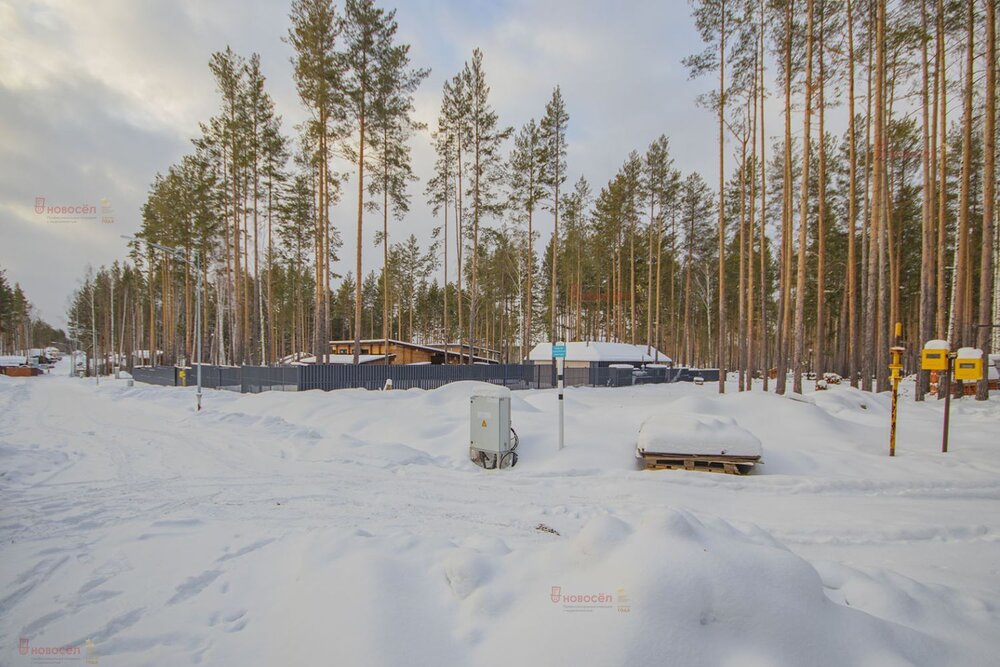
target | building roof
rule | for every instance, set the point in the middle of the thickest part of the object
(601, 351)
(405, 343)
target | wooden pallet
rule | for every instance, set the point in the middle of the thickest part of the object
(731, 465)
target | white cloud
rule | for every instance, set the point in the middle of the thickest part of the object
(97, 96)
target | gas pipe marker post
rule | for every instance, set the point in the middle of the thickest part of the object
(895, 369)
(559, 354)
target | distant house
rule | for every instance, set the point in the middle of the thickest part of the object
(581, 354)
(399, 351)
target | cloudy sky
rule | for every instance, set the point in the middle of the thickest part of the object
(97, 96)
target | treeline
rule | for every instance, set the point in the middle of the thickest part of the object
(20, 329)
(895, 222)
(873, 204)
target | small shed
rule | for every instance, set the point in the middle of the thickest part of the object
(581, 354)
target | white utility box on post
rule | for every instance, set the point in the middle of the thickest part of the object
(492, 442)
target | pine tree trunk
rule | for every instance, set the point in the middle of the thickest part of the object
(722, 198)
(819, 347)
(459, 241)
(986, 271)
(474, 286)
(531, 273)
(927, 222)
(784, 312)
(960, 317)
(763, 362)
(852, 213)
(361, 200)
(800, 280)
(555, 237)
(741, 290)
(385, 250)
(941, 324)
(649, 277)
(748, 339)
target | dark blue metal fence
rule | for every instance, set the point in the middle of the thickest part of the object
(161, 375)
(256, 379)
(327, 377)
(341, 376)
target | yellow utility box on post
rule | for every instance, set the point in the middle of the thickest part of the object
(969, 364)
(934, 356)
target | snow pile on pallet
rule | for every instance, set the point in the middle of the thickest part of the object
(696, 434)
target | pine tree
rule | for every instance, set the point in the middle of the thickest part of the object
(318, 72)
(987, 274)
(527, 192)
(441, 190)
(552, 134)
(392, 124)
(486, 170)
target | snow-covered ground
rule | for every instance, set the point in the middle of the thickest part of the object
(349, 528)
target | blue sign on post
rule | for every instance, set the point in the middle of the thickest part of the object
(559, 351)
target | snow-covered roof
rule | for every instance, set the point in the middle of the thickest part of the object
(937, 344)
(600, 351)
(13, 360)
(969, 353)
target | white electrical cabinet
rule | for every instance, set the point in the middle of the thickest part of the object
(490, 443)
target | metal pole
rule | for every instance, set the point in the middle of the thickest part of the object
(197, 323)
(895, 368)
(947, 402)
(895, 401)
(560, 369)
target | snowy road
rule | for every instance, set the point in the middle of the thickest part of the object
(348, 528)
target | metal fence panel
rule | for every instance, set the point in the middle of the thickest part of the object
(165, 376)
(327, 377)
(255, 379)
(343, 376)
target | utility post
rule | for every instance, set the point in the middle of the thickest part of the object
(937, 356)
(559, 355)
(895, 374)
(947, 401)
